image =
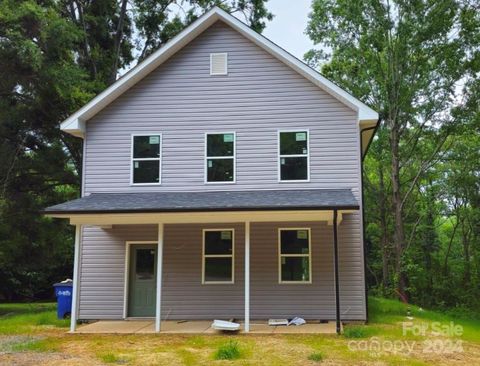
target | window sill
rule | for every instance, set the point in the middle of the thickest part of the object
(144, 184)
(295, 181)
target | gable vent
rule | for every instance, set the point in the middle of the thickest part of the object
(218, 64)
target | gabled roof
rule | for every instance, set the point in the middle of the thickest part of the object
(313, 199)
(75, 124)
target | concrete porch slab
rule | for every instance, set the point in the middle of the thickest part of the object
(116, 326)
(200, 326)
(197, 327)
(324, 328)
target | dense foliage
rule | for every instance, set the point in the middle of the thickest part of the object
(55, 55)
(417, 63)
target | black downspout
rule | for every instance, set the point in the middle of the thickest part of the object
(362, 156)
(335, 259)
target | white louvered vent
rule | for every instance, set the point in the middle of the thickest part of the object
(218, 64)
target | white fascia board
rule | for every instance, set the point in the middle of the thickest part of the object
(75, 128)
(75, 124)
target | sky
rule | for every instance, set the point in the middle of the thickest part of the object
(287, 29)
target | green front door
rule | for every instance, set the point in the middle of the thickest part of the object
(142, 281)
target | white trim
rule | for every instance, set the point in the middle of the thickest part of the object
(226, 63)
(76, 279)
(126, 285)
(212, 217)
(280, 256)
(279, 156)
(204, 256)
(206, 157)
(158, 306)
(84, 165)
(75, 124)
(246, 327)
(362, 223)
(132, 159)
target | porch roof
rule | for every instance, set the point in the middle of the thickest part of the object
(261, 200)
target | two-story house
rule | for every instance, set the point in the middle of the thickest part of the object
(222, 179)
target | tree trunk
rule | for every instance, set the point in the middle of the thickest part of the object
(384, 229)
(399, 233)
(86, 47)
(118, 42)
(466, 253)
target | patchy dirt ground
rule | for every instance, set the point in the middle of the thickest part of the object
(56, 347)
(31, 335)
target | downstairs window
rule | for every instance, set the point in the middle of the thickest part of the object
(218, 256)
(294, 256)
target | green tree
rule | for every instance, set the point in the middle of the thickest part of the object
(55, 55)
(403, 58)
(40, 84)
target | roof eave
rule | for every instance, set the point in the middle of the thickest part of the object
(75, 127)
(218, 209)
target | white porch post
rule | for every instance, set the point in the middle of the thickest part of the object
(76, 283)
(158, 312)
(247, 277)
(335, 262)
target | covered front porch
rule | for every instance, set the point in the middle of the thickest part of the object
(183, 301)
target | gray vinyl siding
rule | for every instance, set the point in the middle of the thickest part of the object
(185, 297)
(259, 96)
(102, 268)
(270, 299)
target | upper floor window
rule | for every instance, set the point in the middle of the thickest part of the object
(146, 150)
(293, 156)
(220, 157)
(295, 256)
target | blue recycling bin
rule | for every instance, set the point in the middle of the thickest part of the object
(63, 292)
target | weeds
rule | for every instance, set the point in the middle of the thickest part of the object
(228, 351)
(316, 357)
(355, 332)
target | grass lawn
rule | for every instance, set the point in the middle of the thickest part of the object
(30, 334)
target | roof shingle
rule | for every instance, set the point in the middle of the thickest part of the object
(314, 199)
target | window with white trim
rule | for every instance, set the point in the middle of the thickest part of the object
(295, 257)
(146, 159)
(293, 156)
(220, 158)
(218, 256)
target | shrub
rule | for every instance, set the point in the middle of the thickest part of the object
(228, 351)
